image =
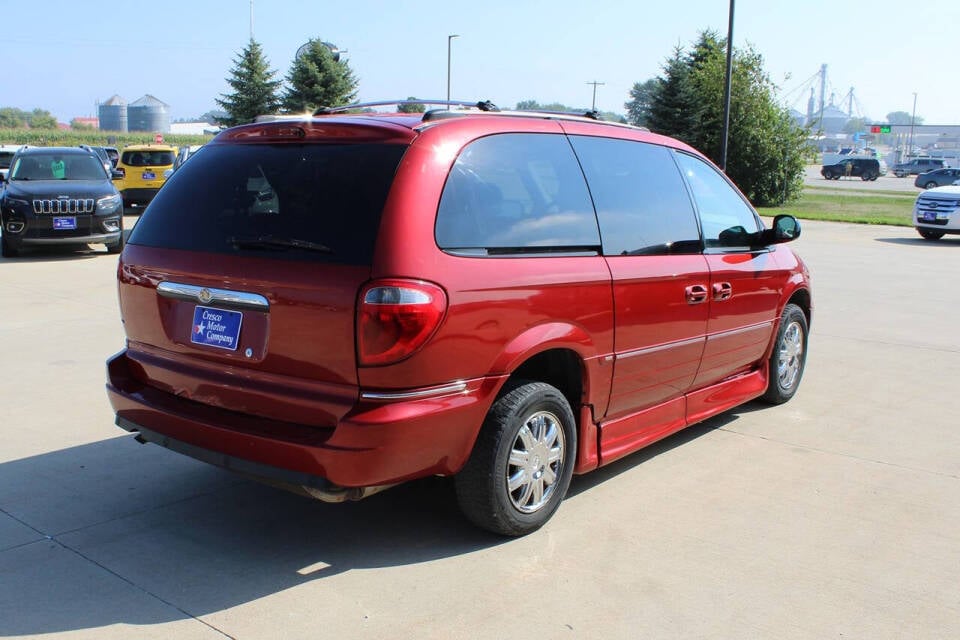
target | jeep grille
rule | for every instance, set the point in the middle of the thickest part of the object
(64, 205)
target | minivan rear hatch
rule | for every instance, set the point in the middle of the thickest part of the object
(238, 285)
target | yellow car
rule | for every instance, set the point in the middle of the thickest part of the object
(143, 167)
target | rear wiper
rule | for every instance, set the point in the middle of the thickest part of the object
(276, 242)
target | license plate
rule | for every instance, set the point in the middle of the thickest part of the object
(929, 216)
(149, 175)
(216, 327)
(65, 224)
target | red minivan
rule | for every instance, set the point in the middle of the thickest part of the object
(345, 302)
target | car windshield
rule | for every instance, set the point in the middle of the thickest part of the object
(53, 166)
(147, 158)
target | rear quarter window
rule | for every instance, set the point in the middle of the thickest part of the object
(229, 196)
(515, 192)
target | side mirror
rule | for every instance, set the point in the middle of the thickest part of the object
(118, 174)
(3, 178)
(785, 228)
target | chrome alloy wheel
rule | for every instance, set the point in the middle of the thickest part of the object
(535, 462)
(790, 358)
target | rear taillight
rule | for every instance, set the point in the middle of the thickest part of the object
(395, 318)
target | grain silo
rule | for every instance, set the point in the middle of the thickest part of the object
(148, 114)
(113, 114)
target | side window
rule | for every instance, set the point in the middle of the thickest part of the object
(516, 192)
(642, 203)
(726, 218)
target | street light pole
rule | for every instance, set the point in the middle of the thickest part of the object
(726, 94)
(913, 119)
(449, 40)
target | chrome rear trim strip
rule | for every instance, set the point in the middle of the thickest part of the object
(456, 387)
(207, 295)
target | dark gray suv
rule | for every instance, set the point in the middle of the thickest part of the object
(916, 166)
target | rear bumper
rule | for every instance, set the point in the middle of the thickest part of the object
(378, 442)
(138, 196)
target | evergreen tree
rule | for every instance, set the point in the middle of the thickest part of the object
(316, 79)
(669, 112)
(254, 89)
(765, 147)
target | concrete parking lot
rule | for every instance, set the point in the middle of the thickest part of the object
(835, 515)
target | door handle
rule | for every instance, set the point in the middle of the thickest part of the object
(696, 293)
(722, 291)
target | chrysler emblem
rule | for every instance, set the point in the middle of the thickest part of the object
(205, 296)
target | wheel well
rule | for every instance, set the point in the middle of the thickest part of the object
(801, 298)
(560, 368)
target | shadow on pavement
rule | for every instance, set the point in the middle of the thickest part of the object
(122, 533)
(945, 241)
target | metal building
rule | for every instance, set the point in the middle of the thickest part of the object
(148, 114)
(113, 115)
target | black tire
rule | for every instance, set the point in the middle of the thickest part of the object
(927, 234)
(873, 179)
(867, 176)
(930, 185)
(789, 356)
(828, 175)
(117, 247)
(6, 249)
(482, 486)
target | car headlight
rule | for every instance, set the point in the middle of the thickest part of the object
(109, 204)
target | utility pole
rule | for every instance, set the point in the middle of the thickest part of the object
(726, 94)
(823, 92)
(593, 105)
(449, 40)
(913, 119)
(251, 20)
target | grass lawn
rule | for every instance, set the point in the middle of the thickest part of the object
(865, 207)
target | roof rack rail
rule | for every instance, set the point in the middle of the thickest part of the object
(482, 105)
(593, 114)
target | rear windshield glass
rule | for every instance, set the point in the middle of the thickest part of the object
(147, 158)
(285, 201)
(5, 158)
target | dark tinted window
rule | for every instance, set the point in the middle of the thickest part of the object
(250, 199)
(147, 158)
(641, 200)
(517, 191)
(53, 166)
(5, 158)
(726, 218)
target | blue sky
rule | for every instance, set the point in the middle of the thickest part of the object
(76, 53)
